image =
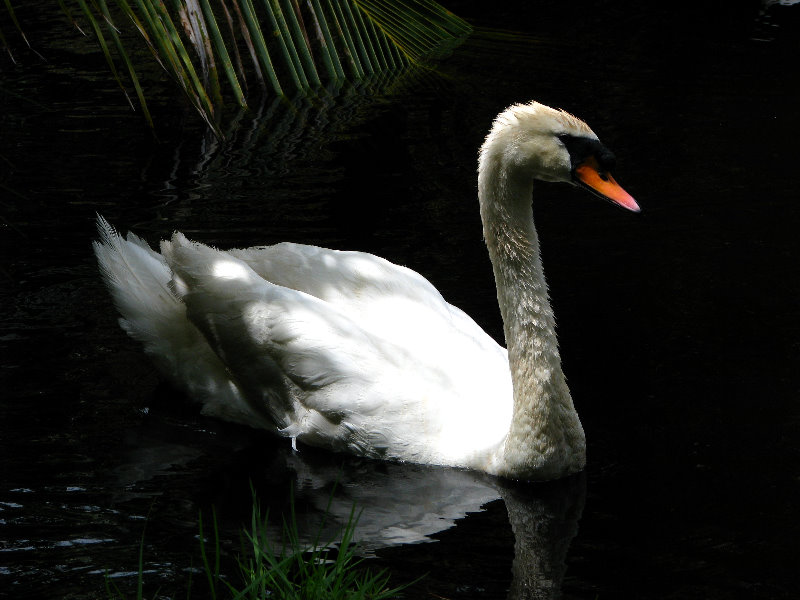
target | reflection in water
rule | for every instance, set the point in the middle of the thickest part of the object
(400, 504)
(403, 503)
(267, 141)
(544, 520)
(767, 22)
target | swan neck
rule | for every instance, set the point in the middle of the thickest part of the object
(545, 438)
(513, 245)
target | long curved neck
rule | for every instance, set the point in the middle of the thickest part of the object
(545, 438)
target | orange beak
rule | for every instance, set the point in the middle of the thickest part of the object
(589, 176)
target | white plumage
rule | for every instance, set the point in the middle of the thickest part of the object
(348, 351)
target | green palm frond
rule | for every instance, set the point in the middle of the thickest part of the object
(216, 49)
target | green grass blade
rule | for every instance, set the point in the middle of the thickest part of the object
(344, 34)
(65, 9)
(217, 553)
(286, 35)
(162, 30)
(126, 59)
(190, 16)
(140, 575)
(14, 20)
(222, 52)
(234, 47)
(153, 30)
(196, 29)
(206, 565)
(157, 40)
(452, 21)
(410, 23)
(331, 57)
(6, 46)
(358, 39)
(260, 45)
(180, 65)
(420, 28)
(400, 56)
(313, 38)
(407, 33)
(98, 33)
(376, 39)
(293, 18)
(282, 44)
(140, 27)
(189, 583)
(247, 39)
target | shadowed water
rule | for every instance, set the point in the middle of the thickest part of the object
(678, 327)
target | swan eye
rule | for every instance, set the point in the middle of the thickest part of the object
(606, 159)
(584, 150)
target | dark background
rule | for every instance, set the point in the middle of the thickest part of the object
(678, 327)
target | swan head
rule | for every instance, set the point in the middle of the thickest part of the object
(535, 141)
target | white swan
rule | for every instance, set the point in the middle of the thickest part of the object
(348, 351)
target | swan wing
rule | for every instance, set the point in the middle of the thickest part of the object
(344, 350)
(329, 376)
(302, 359)
(337, 276)
(390, 300)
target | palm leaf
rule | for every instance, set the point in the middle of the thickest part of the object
(295, 46)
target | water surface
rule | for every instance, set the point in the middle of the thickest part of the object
(678, 327)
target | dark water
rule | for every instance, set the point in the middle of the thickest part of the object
(678, 327)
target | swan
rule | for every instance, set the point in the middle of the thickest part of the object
(350, 352)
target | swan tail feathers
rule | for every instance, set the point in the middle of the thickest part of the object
(138, 280)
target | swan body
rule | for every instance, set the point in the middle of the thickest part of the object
(348, 351)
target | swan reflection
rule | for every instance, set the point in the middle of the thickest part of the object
(397, 505)
(408, 504)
